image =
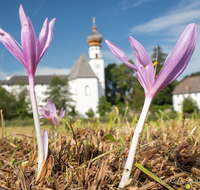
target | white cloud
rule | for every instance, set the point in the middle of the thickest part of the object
(172, 22)
(140, 2)
(126, 4)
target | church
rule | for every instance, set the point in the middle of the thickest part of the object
(86, 78)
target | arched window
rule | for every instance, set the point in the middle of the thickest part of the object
(96, 55)
(87, 91)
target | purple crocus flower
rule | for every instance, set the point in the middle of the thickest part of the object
(49, 112)
(32, 52)
(56, 119)
(174, 65)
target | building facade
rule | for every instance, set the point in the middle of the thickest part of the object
(86, 78)
(188, 87)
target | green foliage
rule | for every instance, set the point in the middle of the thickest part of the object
(103, 106)
(119, 83)
(59, 93)
(15, 104)
(22, 103)
(7, 103)
(189, 105)
(90, 113)
(138, 96)
(121, 107)
(125, 80)
(111, 85)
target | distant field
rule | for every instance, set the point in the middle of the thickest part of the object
(27, 130)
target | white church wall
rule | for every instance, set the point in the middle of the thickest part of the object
(87, 95)
(97, 66)
(73, 90)
(39, 91)
(178, 99)
(95, 52)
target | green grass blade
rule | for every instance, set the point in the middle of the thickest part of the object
(153, 176)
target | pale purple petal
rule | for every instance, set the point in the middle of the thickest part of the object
(142, 80)
(143, 56)
(9, 43)
(42, 38)
(144, 60)
(120, 54)
(28, 41)
(49, 104)
(55, 120)
(177, 61)
(45, 144)
(62, 114)
(49, 38)
(54, 110)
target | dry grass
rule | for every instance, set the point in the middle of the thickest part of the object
(93, 157)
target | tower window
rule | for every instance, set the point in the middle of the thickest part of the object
(96, 55)
(87, 91)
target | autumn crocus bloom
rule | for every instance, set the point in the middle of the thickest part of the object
(49, 112)
(32, 52)
(56, 119)
(174, 65)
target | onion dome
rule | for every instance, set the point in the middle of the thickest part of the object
(94, 39)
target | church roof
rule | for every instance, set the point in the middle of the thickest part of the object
(39, 79)
(188, 85)
(81, 69)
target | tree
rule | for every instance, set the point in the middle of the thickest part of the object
(59, 93)
(125, 80)
(90, 113)
(7, 104)
(165, 95)
(138, 96)
(189, 105)
(22, 102)
(103, 106)
(111, 86)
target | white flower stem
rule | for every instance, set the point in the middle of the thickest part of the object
(37, 123)
(52, 128)
(56, 133)
(131, 155)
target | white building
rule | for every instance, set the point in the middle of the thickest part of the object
(86, 79)
(188, 87)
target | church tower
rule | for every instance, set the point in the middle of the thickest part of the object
(95, 57)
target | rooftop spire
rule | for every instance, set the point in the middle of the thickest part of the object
(93, 20)
(94, 38)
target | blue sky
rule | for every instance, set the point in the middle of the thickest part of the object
(151, 22)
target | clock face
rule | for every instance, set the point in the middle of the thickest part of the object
(97, 66)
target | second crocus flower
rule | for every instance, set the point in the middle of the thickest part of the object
(174, 65)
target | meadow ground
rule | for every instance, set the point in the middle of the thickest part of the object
(92, 155)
